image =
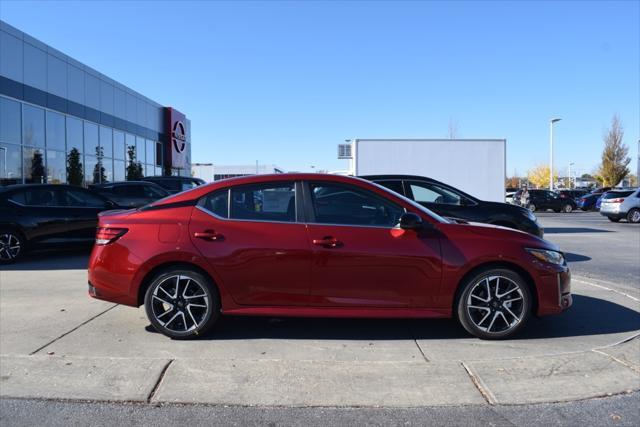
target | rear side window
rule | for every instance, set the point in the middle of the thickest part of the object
(38, 197)
(617, 194)
(264, 202)
(79, 198)
(350, 205)
(217, 203)
(129, 191)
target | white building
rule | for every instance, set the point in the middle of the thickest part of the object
(210, 172)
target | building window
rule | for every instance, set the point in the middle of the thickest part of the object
(10, 164)
(91, 143)
(118, 170)
(106, 141)
(151, 152)
(32, 126)
(55, 131)
(141, 150)
(56, 167)
(10, 121)
(74, 134)
(158, 154)
(131, 146)
(107, 164)
(119, 151)
(91, 170)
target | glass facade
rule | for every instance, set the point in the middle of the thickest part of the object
(36, 143)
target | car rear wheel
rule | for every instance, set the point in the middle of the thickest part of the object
(612, 219)
(567, 208)
(532, 207)
(182, 303)
(634, 216)
(11, 246)
(494, 304)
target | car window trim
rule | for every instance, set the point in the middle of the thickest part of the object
(311, 215)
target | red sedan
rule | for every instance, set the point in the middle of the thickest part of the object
(319, 246)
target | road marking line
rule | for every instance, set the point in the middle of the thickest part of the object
(577, 279)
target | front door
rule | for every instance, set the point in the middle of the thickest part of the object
(252, 237)
(83, 208)
(360, 257)
(441, 200)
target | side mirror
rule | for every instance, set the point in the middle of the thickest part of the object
(411, 221)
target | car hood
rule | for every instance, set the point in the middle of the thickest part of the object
(505, 233)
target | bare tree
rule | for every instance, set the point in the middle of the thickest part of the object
(615, 159)
(453, 128)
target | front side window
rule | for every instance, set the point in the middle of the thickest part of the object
(39, 197)
(431, 193)
(264, 202)
(350, 205)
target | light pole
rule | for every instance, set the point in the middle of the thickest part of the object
(551, 122)
(570, 164)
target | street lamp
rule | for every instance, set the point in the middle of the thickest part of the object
(570, 164)
(551, 122)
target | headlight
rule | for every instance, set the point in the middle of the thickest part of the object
(552, 257)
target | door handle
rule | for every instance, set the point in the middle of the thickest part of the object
(208, 235)
(327, 242)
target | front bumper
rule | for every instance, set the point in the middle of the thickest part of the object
(554, 290)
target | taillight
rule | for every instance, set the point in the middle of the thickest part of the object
(615, 200)
(106, 235)
(582, 200)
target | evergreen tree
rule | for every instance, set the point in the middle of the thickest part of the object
(74, 167)
(99, 175)
(37, 167)
(134, 169)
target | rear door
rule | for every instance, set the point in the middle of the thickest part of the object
(83, 207)
(360, 257)
(254, 238)
(43, 212)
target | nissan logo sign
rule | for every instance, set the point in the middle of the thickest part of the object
(178, 135)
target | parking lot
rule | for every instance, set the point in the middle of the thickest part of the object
(57, 343)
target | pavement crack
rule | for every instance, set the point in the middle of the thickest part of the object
(477, 382)
(424, 356)
(616, 359)
(156, 386)
(72, 330)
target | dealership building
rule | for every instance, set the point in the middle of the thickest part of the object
(62, 121)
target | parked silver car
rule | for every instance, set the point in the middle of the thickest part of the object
(619, 204)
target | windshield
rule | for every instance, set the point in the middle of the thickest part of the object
(413, 204)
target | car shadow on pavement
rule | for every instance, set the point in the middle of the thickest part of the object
(59, 259)
(571, 257)
(587, 316)
(573, 230)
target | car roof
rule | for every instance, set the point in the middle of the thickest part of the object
(197, 192)
(28, 186)
(124, 183)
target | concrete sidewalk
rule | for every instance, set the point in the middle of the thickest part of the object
(57, 343)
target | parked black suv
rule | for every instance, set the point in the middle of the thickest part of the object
(542, 200)
(42, 215)
(175, 184)
(450, 202)
(131, 194)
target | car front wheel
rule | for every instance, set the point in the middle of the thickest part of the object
(532, 207)
(567, 208)
(634, 216)
(181, 303)
(11, 246)
(494, 304)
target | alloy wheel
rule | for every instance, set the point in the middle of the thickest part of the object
(10, 247)
(496, 304)
(568, 208)
(532, 207)
(634, 216)
(180, 304)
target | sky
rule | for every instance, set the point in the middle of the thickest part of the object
(286, 82)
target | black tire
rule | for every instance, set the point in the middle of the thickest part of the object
(568, 208)
(471, 317)
(179, 308)
(612, 219)
(633, 216)
(12, 245)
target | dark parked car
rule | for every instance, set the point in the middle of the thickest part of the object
(588, 201)
(175, 184)
(542, 200)
(41, 215)
(131, 194)
(451, 202)
(321, 246)
(571, 194)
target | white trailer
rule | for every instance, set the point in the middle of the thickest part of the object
(475, 166)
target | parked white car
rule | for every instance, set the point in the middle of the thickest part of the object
(619, 204)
